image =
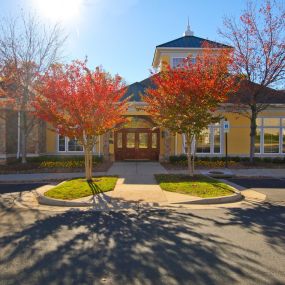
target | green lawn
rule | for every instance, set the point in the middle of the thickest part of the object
(78, 188)
(199, 185)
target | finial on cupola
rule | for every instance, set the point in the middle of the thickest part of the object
(188, 31)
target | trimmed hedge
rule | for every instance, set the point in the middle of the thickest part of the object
(62, 158)
(181, 159)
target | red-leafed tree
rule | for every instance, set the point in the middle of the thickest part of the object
(258, 39)
(185, 99)
(80, 103)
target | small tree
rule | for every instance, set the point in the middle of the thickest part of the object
(80, 103)
(259, 42)
(184, 100)
(27, 49)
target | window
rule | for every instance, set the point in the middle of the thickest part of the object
(203, 144)
(177, 61)
(270, 136)
(61, 143)
(154, 140)
(209, 141)
(66, 144)
(257, 141)
(271, 140)
(193, 60)
(143, 140)
(119, 140)
(216, 140)
(271, 122)
(73, 145)
(130, 140)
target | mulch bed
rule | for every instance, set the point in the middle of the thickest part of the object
(30, 167)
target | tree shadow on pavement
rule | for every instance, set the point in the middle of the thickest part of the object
(266, 218)
(126, 247)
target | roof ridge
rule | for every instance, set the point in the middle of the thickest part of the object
(193, 37)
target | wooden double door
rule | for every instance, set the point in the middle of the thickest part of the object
(136, 144)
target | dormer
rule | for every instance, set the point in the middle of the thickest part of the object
(173, 52)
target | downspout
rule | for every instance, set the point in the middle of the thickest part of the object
(19, 135)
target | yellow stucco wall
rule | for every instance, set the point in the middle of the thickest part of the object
(165, 61)
(238, 136)
(50, 140)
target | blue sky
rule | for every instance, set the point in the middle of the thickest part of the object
(121, 35)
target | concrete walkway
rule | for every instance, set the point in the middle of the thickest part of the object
(39, 177)
(137, 173)
(137, 183)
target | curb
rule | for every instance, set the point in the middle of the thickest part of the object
(43, 200)
(237, 197)
(248, 194)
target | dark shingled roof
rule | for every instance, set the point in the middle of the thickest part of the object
(138, 89)
(269, 96)
(191, 42)
(266, 95)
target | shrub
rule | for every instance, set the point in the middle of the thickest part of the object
(62, 164)
(210, 162)
(267, 159)
(215, 164)
(63, 158)
(236, 159)
(277, 160)
(177, 158)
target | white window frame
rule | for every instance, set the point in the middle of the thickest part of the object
(193, 58)
(211, 130)
(262, 128)
(176, 57)
(66, 140)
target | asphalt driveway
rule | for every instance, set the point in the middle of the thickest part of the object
(147, 246)
(273, 188)
(19, 187)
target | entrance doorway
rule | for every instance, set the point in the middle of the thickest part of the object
(137, 144)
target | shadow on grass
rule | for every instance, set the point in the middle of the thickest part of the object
(94, 188)
(139, 247)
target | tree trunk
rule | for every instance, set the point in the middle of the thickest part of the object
(252, 133)
(23, 136)
(189, 150)
(88, 163)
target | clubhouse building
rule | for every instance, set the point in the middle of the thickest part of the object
(139, 139)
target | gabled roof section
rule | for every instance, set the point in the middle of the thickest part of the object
(134, 92)
(137, 90)
(190, 42)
